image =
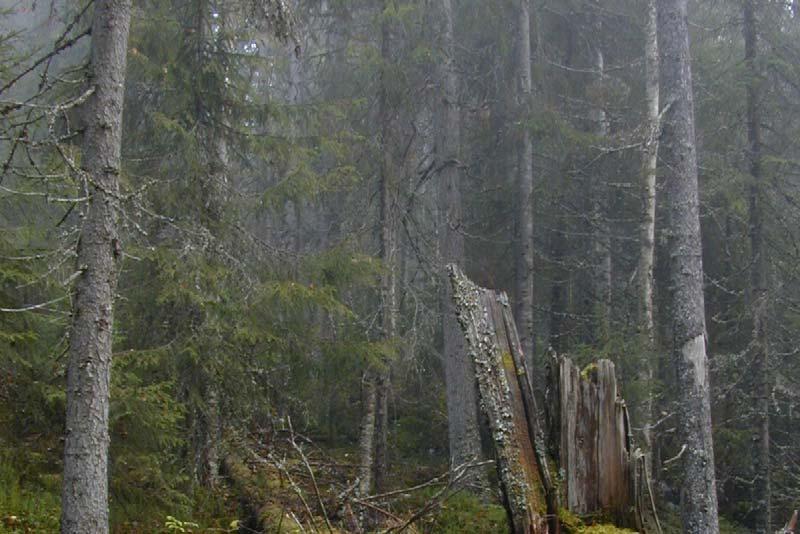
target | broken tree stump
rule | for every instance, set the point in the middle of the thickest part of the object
(594, 442)
(480, 313)
(599, 476)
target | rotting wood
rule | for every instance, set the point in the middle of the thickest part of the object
(589, 431)
(525, 379)
(480, 315)
(601, 475)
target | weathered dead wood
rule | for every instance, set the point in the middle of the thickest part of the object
(480, 314)
(589, 429)
(595, 442)
(525, 380)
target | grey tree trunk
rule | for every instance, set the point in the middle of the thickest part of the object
(388, 283)
(647, 230)
(762, 494)
(524, 253)
(85, 484)
(463, 417)
(366, 444)
(215, 192)
(678, 154)
(601, 238)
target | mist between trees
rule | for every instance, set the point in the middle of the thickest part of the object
(224, 232)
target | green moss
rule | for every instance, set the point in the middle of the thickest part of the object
(572, 524)
(461, 512)
(589, 371)
(605, 529)
(465, 513)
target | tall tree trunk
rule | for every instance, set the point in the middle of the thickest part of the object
(388, 282)
(678, 153)
(389, 249)
(524, 253)
(601, 238)
(647, 230)
(463, 418)
(366, 444)
(85, 484)
(758, 281)
(214, 189)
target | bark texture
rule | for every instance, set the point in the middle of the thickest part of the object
(647, 231)
(481, 315)
(594, 441)
(85, 485)
(366, 444)
(388, 283)
(601, 234)
(524, 253)
(762, 491)
(678, 154)
(462, 393)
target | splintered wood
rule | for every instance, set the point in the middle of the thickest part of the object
(480, 313)
(594, 443)
(589, 430)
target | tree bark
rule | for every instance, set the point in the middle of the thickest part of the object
(601, 238)
(366, 444)
(524, 253)
(214, 196)
(462, 395)
(758, 281)
(647, 230)
(388, 282)
(85, 484)
(678, 153)
(480, 313)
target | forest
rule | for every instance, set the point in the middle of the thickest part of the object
(422, 266)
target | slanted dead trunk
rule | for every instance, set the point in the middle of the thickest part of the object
(480, 313)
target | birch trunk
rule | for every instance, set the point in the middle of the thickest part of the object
(758, 281)
(524, 253)
(85, 484)
(462, 394)
(678, 153)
